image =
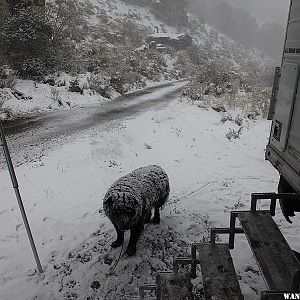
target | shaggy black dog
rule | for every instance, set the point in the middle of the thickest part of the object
(129, 202)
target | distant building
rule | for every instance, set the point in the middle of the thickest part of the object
(160, 41)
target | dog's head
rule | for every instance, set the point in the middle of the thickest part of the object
(122, 210)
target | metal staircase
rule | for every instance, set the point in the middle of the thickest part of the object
(277, 262)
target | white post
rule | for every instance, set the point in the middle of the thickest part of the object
(19, 199)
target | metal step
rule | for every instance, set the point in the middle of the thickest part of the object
(275, 258)
(181, 261)
(146, 287)
(173, 286)
(218, 273)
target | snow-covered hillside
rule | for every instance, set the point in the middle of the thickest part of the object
(105, 20)
(219, 46)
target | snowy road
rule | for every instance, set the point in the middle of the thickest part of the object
(64, 182)
(29, 138)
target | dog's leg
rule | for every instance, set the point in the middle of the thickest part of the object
(147, 218)
(156, 218)
(120, 238)
(135, 233)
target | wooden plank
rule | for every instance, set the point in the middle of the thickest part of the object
(173, 286)
(273, 254)
(219, 277)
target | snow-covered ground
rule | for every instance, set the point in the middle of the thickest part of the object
(63, 192)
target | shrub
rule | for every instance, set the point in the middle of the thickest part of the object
(100, 84)
(122, 68)
(7, 77)
(56, 96)
(134, 33)
(226, 117)
(38, 42)
(234, 134)
(239, 120)
(74, 87)
(6, 113)
(213, 86)
(27, 37)
(68, 19)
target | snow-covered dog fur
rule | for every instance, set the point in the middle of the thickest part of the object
(129, 202)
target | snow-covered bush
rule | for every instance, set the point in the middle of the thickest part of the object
(255, 75)
(7, 77)
(226, 117)
(117, 81)
(223, 90)
(254, 102)
(75, 87)
(197, 56)
(184, 64)
(234, 134)
(239, 120)
(213, 80)
(55, 95)
(68, 19)
(100, 84)
(6, 113)
(39, 41)
(122, 67)
(133, 33)
(26, 39)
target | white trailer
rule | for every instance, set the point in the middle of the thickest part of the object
(283, 149)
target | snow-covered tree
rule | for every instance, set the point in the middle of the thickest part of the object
(27, 38)
(40, 41)
(67, 18)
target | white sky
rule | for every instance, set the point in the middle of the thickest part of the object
(265, 10)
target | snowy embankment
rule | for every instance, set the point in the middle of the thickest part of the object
(28, 98)
(209, 176)
(53, 92)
